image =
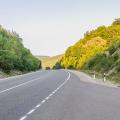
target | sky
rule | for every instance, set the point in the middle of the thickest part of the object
(49, 27)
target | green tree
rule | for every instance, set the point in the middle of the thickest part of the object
(13, 54)
(57, 66)
(117, 21)
(94, 42)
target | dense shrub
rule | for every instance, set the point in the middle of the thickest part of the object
(57, 66)
(103, 62)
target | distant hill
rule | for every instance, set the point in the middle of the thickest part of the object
(48, 61)
(42, 57)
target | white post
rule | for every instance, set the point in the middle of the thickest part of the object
(94, 75)
(104, 79)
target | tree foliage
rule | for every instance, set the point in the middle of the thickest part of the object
(95, 43)
(110, 60)
(57, 66)
(13, 55)
(116, 22)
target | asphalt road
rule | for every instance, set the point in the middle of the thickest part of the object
(57, 95)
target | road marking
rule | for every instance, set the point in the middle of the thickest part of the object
(50, 95)
(43, 102)
(31, 111)
(37, 106)
(53, 92)
(47, 98)
(6, 90)
(58, 88)
(20, 76)
(23, 118)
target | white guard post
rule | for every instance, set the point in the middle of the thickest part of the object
(94, 75)
(104, 79)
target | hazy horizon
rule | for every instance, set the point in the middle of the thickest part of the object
(48, 28)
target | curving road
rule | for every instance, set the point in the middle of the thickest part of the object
(57, 95)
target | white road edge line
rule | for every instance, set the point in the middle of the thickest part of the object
(18, 85)
(47, 98)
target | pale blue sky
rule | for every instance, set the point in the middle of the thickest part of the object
(48, 27)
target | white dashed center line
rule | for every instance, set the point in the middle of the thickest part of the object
(31, 111)
(47, 98)
(23, 118)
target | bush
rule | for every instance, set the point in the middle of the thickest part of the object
(57, 66)
(70, 67)
(6, 61)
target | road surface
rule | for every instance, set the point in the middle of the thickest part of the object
(57, 95)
